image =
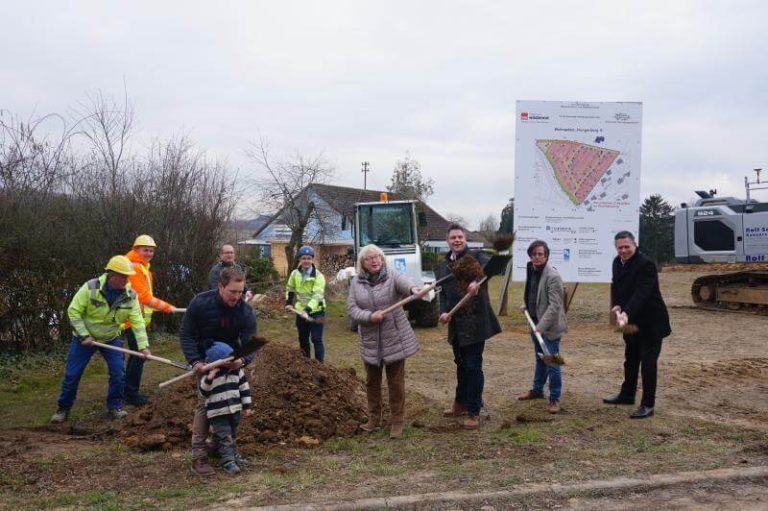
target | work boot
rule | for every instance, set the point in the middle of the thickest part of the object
(396, 430)
(456, 410)
(60, 416)
(241, 462)
(117, 413)
(530, 395)
(137, 400)
(201, 467)
(554, 406)
(371, 426)
(471, 422)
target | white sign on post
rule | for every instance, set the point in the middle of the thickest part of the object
(577, 183)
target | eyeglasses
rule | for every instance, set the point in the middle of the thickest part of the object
(370, 259)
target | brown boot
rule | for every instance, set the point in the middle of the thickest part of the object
(457, 410)
(530, 395)
(201, 467)
(471, 422)
(554, 406)
(396, 431)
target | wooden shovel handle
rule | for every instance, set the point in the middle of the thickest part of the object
(408, 299)
(464, 300)
(206, 367)
(303, 315)
(135, 353)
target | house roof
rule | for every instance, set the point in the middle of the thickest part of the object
(343, 199)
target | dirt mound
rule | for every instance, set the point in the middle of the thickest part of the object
(296, 401)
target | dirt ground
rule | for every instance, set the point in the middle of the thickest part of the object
(713, 375)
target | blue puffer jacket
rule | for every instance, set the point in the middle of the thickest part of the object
(209, 319)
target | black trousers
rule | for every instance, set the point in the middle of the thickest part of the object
(641, 355)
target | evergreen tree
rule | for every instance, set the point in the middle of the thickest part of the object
(657, 226)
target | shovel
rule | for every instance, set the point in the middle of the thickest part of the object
(621, 323)
(464, 299)
(303, 315)
(545, 355)
(141, 355)
(408, 299)
(252, 345)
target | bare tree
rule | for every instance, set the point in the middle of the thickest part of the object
(455, 218)
(284, 187)
(407, 181)
(488, 228)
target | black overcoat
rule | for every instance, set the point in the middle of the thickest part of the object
(635, 288)
(475, 322)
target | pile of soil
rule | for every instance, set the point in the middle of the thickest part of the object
(296, 401)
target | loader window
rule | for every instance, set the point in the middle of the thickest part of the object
(387, 225)
(713, 235)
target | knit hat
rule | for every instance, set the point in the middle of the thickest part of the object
(217, 351)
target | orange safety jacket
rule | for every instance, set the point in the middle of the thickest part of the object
(141, 283)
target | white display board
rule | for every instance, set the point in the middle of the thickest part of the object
(577, 183)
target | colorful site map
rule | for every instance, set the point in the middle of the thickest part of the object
(577, 166)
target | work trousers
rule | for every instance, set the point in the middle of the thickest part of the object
(199, 429)
(78, 359)
(314, 330)
(395, 385)
(641, 355)
(134, 366)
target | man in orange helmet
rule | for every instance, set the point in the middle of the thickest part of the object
(141, 282)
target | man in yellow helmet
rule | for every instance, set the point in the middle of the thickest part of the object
(96, 313)
(141, 282)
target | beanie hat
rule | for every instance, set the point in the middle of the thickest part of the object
(217, 351)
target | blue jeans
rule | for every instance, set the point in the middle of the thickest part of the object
(134, 367)
(315, 330)
(544, 372)
(78, 359)
(469, 376)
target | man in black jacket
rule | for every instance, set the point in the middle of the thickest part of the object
(468, 329)
(635, 293)
(219, 315)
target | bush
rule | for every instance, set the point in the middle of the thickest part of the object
(261, 274)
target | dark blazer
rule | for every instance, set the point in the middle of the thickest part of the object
(475, 322)
(635, 288)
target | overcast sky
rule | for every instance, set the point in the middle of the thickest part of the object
(369, 81)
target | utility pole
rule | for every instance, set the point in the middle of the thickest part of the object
(365, 172)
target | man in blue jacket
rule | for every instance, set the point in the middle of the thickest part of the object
(218, 315)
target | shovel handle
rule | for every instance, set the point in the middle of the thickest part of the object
(206, 368)
(408, 299)
(304, 315)
(537, 334)
(464, 300)
(181, 311)
(135, 353)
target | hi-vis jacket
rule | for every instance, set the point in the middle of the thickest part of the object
(90, 314)
(141, 283)
(309, 291)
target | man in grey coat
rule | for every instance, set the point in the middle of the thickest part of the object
(544, 298)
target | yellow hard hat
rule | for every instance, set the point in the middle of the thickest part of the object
(145, 240)
(120, 264)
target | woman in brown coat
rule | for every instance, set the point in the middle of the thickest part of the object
(385, 340)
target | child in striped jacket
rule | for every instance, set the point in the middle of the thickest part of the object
(227, 393)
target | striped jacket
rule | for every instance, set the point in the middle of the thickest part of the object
(228, 393)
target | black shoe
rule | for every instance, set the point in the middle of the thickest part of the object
(642, 413)
(137, 400)
(618, 399)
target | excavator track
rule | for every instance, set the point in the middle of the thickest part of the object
(744, 290)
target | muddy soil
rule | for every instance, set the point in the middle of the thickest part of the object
(296, 401)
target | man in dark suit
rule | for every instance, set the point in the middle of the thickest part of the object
(636, 297)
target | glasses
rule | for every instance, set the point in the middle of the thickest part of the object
(370, 259)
